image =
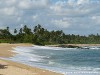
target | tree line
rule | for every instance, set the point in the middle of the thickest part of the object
(41, 36)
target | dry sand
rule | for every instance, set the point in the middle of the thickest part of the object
(13, 68)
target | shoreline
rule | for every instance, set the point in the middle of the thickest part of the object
(6, 49)
(73, 45)
(13, 68)
(82, 45)
(8, 67)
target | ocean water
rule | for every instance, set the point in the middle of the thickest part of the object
(68, 61)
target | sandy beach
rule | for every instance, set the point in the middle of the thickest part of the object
(13, 68)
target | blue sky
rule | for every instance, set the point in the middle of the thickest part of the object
(71, 16)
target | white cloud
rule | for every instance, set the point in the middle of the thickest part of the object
(31, 4)
(21, 25)
(19, 19)
(8, 11)
(71, 2)
(74, 14)
(82, 2)
(10, 2)
(61, 23)
(35, 17)
(25, 4)
(56, 8)
(96, 19)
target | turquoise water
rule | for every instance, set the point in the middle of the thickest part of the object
(69, 61)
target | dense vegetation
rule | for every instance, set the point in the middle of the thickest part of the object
(41, 36)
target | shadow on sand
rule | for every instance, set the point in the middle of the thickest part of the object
(3, 66)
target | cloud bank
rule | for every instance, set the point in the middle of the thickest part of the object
(71, 16)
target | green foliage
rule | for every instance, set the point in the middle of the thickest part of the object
(41, 36)
(15, 31)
